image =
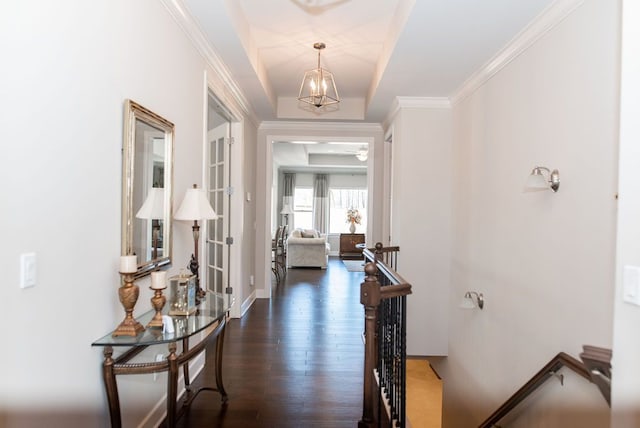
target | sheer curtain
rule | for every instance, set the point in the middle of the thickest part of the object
(287, 193)
(321, 203)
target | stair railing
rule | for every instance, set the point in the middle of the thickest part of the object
(596, 368)
(383, 295)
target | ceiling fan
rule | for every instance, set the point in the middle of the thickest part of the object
(362, 153)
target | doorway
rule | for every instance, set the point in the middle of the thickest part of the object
(272, 201)
(217, 179)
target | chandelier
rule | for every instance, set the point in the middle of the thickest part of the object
(318, 89)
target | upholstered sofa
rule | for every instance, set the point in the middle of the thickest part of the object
(307, 248)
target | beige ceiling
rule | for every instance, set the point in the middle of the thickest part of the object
(376, 49)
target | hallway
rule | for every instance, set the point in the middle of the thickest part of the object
(293, 361)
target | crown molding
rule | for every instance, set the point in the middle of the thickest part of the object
(179, 12)
(319, 126)
(421, 102)
(413, 102)
(553, 15)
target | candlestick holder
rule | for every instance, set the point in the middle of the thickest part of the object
(157, 302)
(128, 294)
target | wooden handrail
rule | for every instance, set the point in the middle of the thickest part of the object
(389, 270)
(383, 249)
(559, 361)
(383, 292)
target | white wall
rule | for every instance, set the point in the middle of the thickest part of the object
(68, 67)
(420, 221)
(544, 261)
(626, 346)
(248, 242)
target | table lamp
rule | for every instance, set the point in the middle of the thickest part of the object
(195, 206)
(153, 209)
(286, 212)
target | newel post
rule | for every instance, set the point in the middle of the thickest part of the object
(370, 299)
(378, 250)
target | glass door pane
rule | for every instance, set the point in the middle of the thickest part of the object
(217, 181)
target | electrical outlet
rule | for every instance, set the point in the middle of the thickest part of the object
(252, 280)
(631, 282)
(27, 270)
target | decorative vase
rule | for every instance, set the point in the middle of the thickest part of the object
(352, 227)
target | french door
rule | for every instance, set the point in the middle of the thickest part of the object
(217, 246)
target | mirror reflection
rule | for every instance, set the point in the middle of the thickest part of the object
(148, 152)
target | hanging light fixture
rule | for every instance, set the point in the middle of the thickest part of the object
(318, 89)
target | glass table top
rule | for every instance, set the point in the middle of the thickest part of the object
(213, 308)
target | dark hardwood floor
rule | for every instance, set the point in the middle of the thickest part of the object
(293, 361)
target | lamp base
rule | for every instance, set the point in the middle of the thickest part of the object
(194, 267)
(201, 293)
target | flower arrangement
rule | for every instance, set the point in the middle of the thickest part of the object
(353, 216)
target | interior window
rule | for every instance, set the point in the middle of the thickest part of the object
(302, 206)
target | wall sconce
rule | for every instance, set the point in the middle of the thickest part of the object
(471, 300)
(542, 178)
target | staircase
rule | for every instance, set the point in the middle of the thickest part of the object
(424, 395)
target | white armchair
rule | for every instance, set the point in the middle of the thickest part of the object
(307, 248)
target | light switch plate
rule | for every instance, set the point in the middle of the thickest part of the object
(27, 270)
(631, 283)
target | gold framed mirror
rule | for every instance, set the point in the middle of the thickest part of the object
(147, 187)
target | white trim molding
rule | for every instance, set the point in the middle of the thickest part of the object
(303, 127)
(183, 18)
(244, 306)
(553, 15)
(414, 102)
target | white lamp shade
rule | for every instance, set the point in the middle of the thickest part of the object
(286, 210)
(153, 206)
(467, 303)
(195, 206)
(536, 181)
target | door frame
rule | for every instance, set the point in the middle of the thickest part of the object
(235, 208)
(267, 188)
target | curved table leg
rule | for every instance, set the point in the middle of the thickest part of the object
(111, 387)
(172, 385)
(185, 367)
(218, 368)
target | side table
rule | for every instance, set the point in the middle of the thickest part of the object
(348, 245)
(210, 318)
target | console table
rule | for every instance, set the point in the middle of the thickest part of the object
(209, 319)
(348, 245)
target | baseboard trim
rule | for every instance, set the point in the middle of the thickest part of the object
(263, 294)
(247, 303)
